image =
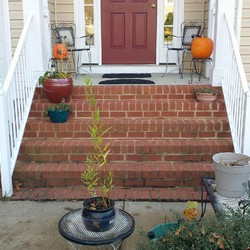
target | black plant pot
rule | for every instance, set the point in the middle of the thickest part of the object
(98, 220)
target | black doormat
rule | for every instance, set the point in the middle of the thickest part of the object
(134, 75)
(127, 81)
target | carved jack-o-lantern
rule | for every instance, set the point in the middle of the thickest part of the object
(60, 51)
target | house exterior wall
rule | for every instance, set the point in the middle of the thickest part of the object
(16, 19)
(16, 22)
(245, 38)
(64, 11)
(195, 10)
(51, 6)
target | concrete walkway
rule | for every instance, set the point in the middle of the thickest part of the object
(159, 79)
(32, 225)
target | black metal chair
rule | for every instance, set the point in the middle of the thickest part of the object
(188, 32)
(65, 33)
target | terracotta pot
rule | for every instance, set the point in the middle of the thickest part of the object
(58, 89)
(206, 97)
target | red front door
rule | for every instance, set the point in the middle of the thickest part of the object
(128, 31)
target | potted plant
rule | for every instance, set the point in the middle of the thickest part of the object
(58, 85)
(232, 171)
(98, 211)
(206, 94)
(58, 112)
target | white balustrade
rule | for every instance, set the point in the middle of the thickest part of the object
(236, 91)
(16, 95)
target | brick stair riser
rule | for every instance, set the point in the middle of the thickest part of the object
(130, 175)
(131, 92)
(141, 109)
(125, 128)
(125, 150)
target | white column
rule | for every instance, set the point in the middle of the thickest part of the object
(47, 31)
(5, 157)
(222, 6)
(37, 29)
(5, 41)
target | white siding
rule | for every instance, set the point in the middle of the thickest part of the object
(16, 21)
(64, 11)
(245, 38)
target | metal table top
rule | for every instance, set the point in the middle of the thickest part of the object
(72, 228)
(221, 203)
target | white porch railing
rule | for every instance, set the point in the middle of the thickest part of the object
(236, 91)
(16, 96)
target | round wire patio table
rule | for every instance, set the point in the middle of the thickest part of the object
(72, 228)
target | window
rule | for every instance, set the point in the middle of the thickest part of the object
(168, 21)
(89, 20)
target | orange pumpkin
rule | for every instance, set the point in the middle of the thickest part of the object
(60, 51)
(202, 47)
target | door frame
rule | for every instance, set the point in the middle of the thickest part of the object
(161, 48)
(96, 49)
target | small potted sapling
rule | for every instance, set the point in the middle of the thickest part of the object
(98, 211)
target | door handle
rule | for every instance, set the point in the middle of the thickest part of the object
(153, 5)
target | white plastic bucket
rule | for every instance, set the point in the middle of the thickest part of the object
(230, 180)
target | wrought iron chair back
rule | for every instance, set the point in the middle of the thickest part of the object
(65, 33)
(189, 30)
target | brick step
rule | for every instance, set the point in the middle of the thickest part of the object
(132, 128)
(73, 150)
(73, 193)
(139, 108)
(136, 92)
(126, 174)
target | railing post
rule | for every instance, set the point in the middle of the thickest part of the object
(246, 134)
(5, 43)
(6, 171)
(222, 7)
(38, 47)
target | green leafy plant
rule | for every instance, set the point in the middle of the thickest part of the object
(53, 75)
(96, 177)
(57, 106)
(207, 90)
(231, 232)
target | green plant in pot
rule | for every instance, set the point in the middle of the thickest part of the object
(58, 112)
(58, 85)
(206, 94)
(98, 212)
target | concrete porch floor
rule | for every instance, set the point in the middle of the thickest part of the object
(158, 78)
(33, 225)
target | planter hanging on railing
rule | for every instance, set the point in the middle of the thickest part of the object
(202, 47)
